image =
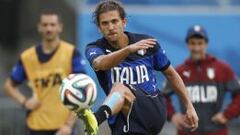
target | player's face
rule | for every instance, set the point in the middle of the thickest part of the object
(111, 25)
(49, 27)
(197, 48)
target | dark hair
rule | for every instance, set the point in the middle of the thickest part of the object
(50, 12)
(108, 5)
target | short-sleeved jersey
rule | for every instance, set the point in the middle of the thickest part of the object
(207, 82)
(44, 74)
(137, 70)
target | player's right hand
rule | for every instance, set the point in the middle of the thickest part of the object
(142, 45)
(219, 118)
(32, 103)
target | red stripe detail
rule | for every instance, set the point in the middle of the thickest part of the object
(72, 76)
(90, 87)
(68, 92)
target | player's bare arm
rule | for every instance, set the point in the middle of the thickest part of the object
(12, 90)
(179, 87)
(233, 109)
(108, 61)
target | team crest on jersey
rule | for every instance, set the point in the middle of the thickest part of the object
(187, 74)
(210, 73)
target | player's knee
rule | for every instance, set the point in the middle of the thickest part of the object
(118, 95)
(117, 86)
(124, 91)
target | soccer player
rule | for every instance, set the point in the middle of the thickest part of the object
(207, 80)
(124, 63)
(44, 65)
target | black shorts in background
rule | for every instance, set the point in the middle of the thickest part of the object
(47, 132)
(34, 132)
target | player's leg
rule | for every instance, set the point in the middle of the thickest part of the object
(146, 117)
(119, 99)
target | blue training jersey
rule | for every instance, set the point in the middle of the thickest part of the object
(136, 69)
(18, 74)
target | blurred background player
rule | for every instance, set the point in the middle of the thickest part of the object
(224, 118)
(207, 79)
(124, 63)
(44, 66)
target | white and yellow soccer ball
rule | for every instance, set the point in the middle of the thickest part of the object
(78, 92)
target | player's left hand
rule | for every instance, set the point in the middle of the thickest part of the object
(64, 130)
(142, 45)
(32, 103)
(191, 118)
(219, 118)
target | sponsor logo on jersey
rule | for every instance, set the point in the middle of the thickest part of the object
(107, 114)
(50, 80)
(186, 74)
(130, 75)
(202, 94)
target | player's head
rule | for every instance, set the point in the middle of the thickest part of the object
(197, 41)
(110, 18)
(50, 25)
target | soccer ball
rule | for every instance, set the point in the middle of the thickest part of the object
(78, 92)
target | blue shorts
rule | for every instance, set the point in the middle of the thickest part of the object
(147, 115)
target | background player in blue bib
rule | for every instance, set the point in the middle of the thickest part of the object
(124, 63)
